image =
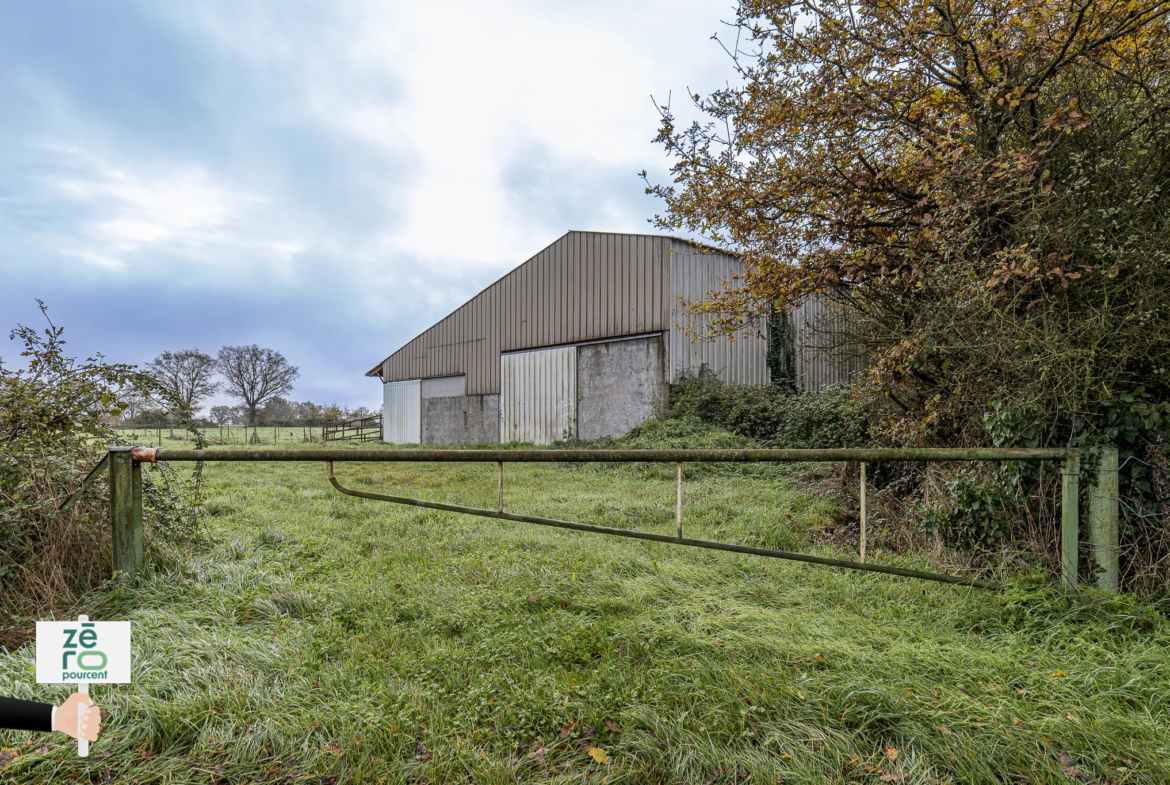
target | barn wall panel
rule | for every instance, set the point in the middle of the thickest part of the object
(401, 415)
(585, 286)
(821, 359)
(693, 276)
(538, 399)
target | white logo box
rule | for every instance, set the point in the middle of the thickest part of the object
(76, 652)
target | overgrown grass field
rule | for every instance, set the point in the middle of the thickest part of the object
(322, 638)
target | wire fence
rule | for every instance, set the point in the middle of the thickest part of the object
(170, 434)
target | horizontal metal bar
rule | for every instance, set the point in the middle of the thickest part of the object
(718, 546)
(621, 456)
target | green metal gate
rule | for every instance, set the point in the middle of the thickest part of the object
(125, 482)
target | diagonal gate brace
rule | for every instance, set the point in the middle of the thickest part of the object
(716, 546)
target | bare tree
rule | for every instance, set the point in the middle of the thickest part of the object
(184, 378)
(255, 375)
(133, 402)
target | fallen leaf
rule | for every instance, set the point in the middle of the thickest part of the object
(611, 725)
(783, 756)
(533, 598)
(1069, 766)
(892, 776)
(599, 755)
(892, 753)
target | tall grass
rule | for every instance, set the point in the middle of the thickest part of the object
(322, 638)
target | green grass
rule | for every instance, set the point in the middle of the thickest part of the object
(320, 636)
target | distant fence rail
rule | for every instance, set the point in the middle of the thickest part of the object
(364, 429)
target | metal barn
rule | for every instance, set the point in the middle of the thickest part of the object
(580, 341)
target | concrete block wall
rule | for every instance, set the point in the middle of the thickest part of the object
(450, 416)
(444, 386)
(620, 384)
(461, 419)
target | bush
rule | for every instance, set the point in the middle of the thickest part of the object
(684, 433)
(53, 428)
(769, 413)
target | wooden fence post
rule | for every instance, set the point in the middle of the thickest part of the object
(1102, 523)
(1069, 522)
(126, 511)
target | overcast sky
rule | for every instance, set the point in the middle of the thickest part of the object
(325, 178)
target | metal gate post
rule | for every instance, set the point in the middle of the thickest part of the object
(1102, 523)
(126, 510)
(1069, 522)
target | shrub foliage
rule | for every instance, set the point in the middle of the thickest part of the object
(982, 186)
(54, 414)
(773, 414)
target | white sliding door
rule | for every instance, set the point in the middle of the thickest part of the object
(538, 395)
(401, 412)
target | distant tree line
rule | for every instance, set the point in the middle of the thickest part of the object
(259, 378)
(281, 411)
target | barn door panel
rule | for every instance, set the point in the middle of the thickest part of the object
(538, 395)
(402, 412)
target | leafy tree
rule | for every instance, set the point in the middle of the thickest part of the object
(255, 375)
(222, 415)
(308, 411)
(981, 184)
(277, 410)
(184, 378)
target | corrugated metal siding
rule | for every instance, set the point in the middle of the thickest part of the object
(402, 412)
(538, 399)
(585, 286)
(692, 277)
(821, 358)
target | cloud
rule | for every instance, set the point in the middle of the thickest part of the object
(594, 195)
(181, 209)
(326, 178)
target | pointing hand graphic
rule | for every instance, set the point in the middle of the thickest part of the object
(65, 718)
